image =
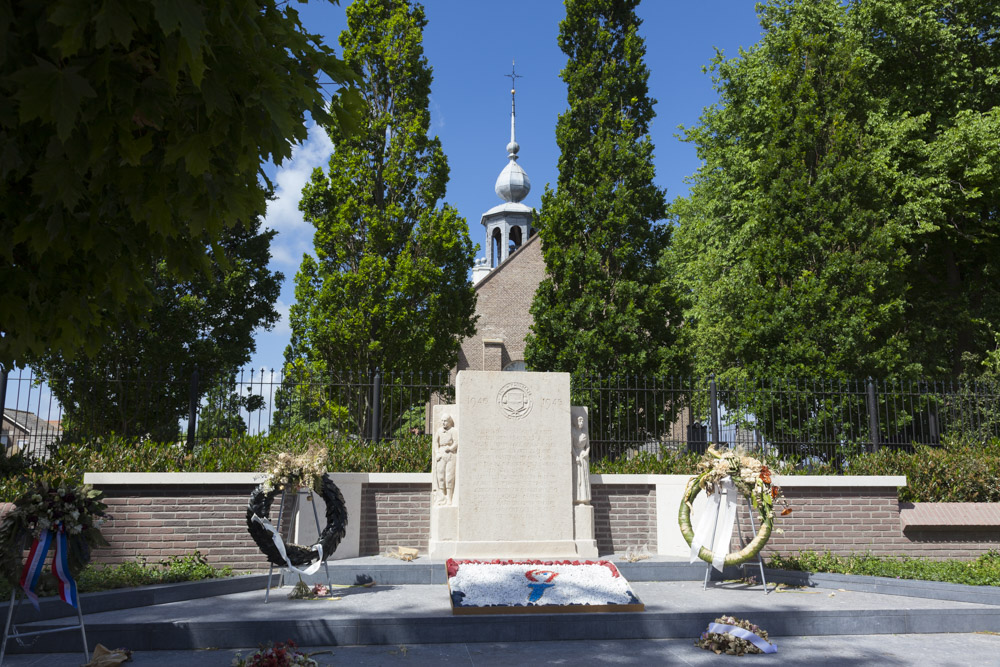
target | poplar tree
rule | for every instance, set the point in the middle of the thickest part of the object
(603, 306)
(388, 285)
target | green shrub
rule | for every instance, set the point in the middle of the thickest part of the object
(115, 454)
(984, 571)
(410, 453)
(646, 463)
(958, 471)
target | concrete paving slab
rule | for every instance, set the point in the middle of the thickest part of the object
(421, 614)
(941, 650)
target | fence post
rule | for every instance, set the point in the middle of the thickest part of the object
(3, 391)
(714, 407)
(377, 405)
(193, 410)
(873, 415)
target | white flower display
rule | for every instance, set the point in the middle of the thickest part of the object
(541, 583)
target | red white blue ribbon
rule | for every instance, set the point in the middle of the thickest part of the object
(35, 563)
(60, 566)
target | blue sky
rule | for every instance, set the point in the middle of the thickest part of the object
(470, 45)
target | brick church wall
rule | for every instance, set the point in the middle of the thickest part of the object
(503, 306)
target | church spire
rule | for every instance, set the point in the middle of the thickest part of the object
(508, 225)
(513, 183)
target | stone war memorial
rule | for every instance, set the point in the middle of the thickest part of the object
(511, 477)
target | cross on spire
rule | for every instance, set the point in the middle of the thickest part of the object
(513, 76)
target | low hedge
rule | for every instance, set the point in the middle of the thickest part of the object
(957, 471)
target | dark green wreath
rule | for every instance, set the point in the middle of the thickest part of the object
(329, 538)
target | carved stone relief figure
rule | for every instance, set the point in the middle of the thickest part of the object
(445, 454)
(581, 462)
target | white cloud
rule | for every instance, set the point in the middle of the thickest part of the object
(437, 116)
(295, 234)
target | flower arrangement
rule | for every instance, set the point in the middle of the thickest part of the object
(523, 583)
(749, 475)
(751, 478)
(279, 654)
(306, 469)
(722, 637)
(52, 502)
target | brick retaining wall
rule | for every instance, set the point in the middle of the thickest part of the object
(862, 520)
(156, 522)
(161, 519)
(624, 516)
(394, 515)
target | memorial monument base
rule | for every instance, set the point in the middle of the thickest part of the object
(538, 550)
(583, 519)
(444, 528)
(508, 454)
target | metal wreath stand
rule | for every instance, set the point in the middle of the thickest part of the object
(16, 635)
(739, 533)
(329, 537)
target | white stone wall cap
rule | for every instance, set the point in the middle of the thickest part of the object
(840, 480)
(780, 480)
(175, 478)
(397, 478)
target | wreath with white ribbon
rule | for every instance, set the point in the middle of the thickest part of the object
(725, 476)
(293, 556)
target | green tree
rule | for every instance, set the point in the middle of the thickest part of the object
(132, 135)
(220, 415)
(844, 222)
(604, 306)
(388, 286)
(139, 382)
(785, 245)
(936, 68)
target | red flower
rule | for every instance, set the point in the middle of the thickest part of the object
(775, 491)
(765, 475)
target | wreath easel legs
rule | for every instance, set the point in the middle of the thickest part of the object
(743, 565)
(281, 574)
(15, 603)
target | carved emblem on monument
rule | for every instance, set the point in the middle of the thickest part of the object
(514, 400)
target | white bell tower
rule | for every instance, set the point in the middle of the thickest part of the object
(508, 225)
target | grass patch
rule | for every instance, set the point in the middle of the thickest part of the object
(97, 577)
(984, 571)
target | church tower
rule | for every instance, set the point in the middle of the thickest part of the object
(508, 225)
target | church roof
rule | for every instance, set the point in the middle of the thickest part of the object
(508, 207)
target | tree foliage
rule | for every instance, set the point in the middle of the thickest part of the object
(139, 382)
(388, 286)
(844, 222)
(131, 134)
(603, 306)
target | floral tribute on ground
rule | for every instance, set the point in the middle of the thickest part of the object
(56, 513)
(734, 636)
(293, 471)
(752, 479)
(503, 586)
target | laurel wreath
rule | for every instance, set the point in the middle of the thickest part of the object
(298, 555)
(752, 478)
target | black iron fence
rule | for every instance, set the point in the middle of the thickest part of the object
(628, 414)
